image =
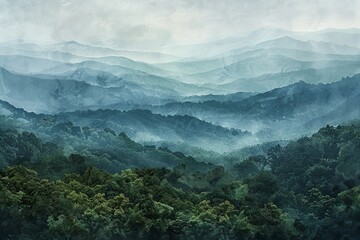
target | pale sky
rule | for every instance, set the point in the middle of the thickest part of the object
(166, 22)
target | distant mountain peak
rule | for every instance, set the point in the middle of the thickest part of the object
(73, 43)
(301, 82)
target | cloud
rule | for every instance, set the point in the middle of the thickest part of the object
(150, 23)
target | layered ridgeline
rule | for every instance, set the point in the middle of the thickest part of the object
(140, 125)
(280, 113)
(212, 122)
(220, 96)
(85, 89)
(251, 63)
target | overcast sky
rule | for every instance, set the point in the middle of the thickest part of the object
(166, 22)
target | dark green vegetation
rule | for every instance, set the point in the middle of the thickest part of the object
(139, 125)
(101, 148)
(308, 189)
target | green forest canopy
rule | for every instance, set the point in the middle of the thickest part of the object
(308, 189)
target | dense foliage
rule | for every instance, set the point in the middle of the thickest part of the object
(131, 204)
(101, 147)
(308, 189)
(316, 179)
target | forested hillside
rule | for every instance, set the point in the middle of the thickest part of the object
(308, 189)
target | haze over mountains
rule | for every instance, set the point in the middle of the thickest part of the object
(180, 119)
(272, 84)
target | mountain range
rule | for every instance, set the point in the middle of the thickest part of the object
(268, 85)
(281, 112)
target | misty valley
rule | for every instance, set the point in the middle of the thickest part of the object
(251, 137)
